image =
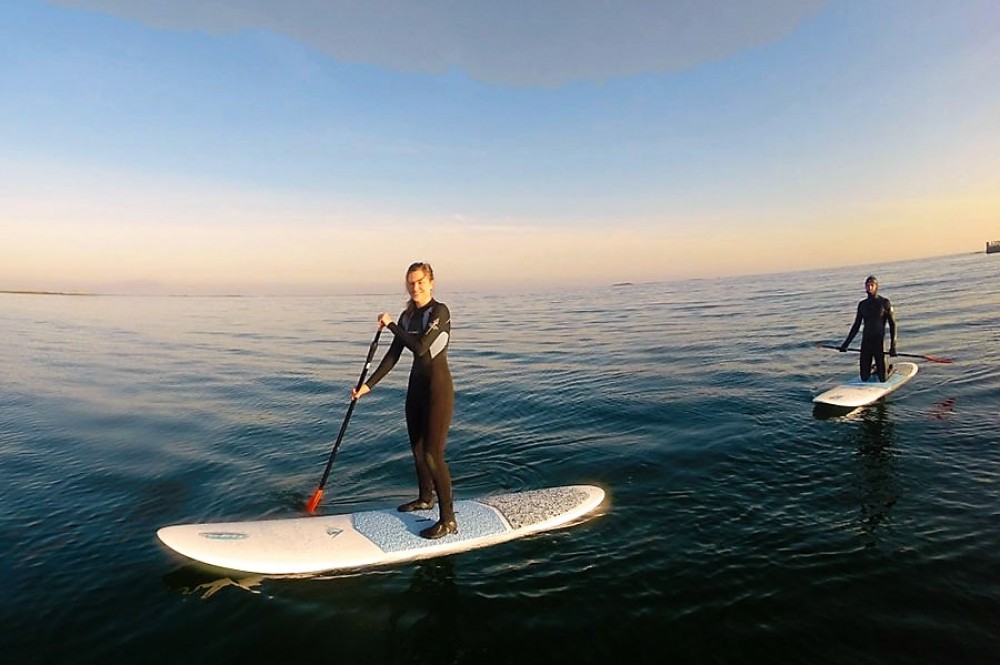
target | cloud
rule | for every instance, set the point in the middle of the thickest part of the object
(518, 42)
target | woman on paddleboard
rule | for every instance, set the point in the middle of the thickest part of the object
(424, 328)
(875, 312)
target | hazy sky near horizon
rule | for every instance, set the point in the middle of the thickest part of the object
(322, 145)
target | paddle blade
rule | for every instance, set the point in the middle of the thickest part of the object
(938, 360)
(314, 501)
(932, 359)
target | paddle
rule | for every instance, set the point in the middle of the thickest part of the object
(314, 501)
(907, 355)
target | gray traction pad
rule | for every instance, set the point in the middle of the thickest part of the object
(527, 508)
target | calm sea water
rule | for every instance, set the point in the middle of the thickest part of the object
(742, 526)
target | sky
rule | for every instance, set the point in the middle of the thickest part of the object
(321, 146)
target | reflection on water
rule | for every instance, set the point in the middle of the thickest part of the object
(944, 409)
(871, 432)
(424, 625)
(207, 581)
(829, 412)
(875, 440)
(424, 621)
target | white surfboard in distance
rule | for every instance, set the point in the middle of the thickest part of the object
(308, 545)
(855, 393)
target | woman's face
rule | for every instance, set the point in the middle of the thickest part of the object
(418, 285)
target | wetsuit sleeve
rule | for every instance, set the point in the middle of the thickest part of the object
(389, 361)
(890, 318)
(435, 338)
(855, 327)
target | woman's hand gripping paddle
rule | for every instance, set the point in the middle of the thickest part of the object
(314, 501)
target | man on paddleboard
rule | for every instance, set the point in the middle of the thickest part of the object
(875, 312)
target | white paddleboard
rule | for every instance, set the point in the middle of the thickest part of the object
(304, 545)
(856, 392)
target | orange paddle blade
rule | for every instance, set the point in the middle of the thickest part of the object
(314, 501)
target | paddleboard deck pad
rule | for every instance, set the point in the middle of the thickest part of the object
(306, 545)
(857, 393)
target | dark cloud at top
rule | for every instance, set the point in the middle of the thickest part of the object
(511, 42)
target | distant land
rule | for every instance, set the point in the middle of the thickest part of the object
(48, 293)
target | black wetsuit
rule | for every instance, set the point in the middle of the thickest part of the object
(430, 395)
(876, 313)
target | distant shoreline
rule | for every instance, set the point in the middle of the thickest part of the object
(282, 290)
(48, 293)
(185, 295)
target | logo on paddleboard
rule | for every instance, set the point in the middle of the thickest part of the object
(223, 535)
(333, 531)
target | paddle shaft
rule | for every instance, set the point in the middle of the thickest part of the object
(907, 355)
(311, 506)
